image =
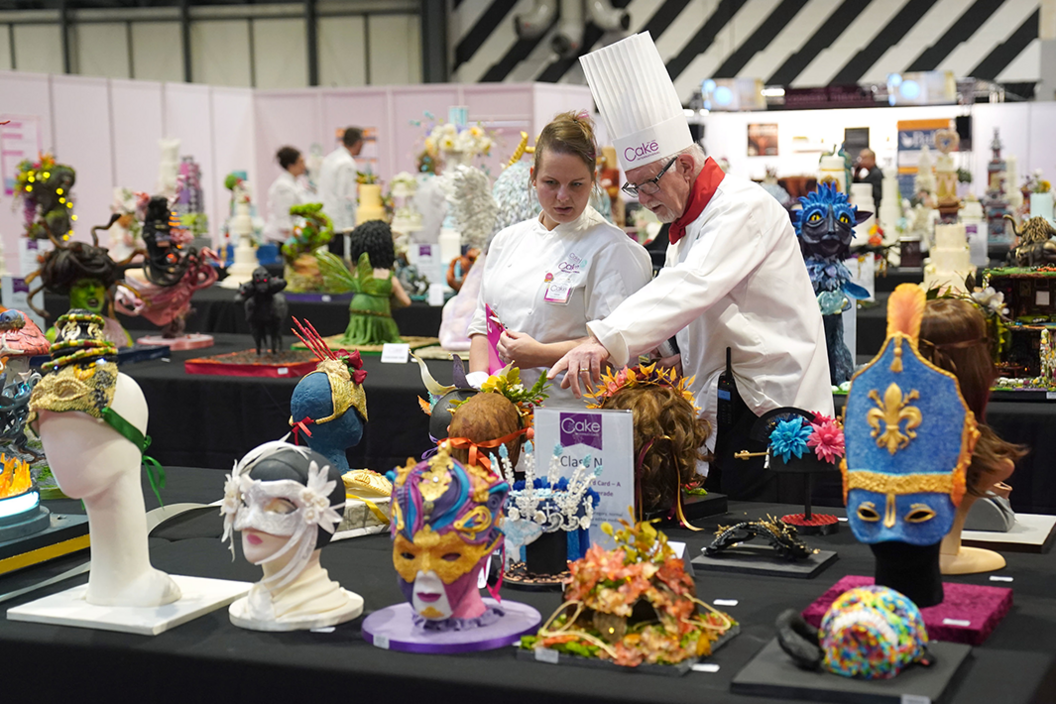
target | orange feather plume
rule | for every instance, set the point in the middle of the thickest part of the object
(905, 311)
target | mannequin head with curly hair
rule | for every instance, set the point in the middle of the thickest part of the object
(375, 238)
(953, 337)
(667, 426)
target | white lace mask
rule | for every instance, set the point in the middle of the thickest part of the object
(283, 508)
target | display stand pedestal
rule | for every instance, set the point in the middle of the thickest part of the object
(68, 608)
(393, 628)
(354, 607)
(762, 559)
(772, 674)
(285, 364)
(1030, 533)
(968, 613)
(62, 536)
(191, 341)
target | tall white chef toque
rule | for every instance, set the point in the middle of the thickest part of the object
(637, 100)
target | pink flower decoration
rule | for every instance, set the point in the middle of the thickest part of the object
(827, 440)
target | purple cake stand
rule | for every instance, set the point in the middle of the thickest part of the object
(393, 628)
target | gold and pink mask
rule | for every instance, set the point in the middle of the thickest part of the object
(445, 523)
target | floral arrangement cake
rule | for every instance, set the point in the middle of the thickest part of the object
(633, 605)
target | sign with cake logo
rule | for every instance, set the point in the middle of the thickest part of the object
(606, 440)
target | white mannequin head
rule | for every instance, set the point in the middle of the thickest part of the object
(86, 455)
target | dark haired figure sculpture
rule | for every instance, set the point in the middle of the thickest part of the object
(86, 273)
(376, 288)
(544, 278)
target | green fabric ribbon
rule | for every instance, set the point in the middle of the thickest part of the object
(155, 472)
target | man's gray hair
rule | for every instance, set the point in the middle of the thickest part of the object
(697, 153)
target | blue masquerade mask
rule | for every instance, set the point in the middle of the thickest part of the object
(909, 437)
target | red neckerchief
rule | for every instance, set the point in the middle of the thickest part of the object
(699, 196)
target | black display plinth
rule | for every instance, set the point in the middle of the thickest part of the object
(64, 534)
(760, 559)
(772, 674)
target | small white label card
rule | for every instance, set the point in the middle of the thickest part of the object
(546, 655)
(1000, 578)
(724, 602)
(964, 623)
(608, 438)
(915, 699)
(326, 298)
(282, 371)
(1041, 298)
(705, 667)
(381, 641)
(436, 295)
(395, 353)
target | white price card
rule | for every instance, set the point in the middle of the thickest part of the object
(1000, 578)
(395, 353)
(546, 655)
(381, 642)
(724, 602)
(915, 699)
(956, 622)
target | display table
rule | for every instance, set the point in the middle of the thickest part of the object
(213, 420)
(211, 660)
(216, 311)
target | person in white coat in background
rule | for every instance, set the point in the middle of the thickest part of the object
(337, 181)
(733, 278)
(285, 192)
(544, 278)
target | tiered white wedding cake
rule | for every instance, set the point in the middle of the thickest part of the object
(950, 261)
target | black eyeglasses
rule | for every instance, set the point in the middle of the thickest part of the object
(648, 187)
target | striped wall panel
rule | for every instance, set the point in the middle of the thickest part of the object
(790, 42)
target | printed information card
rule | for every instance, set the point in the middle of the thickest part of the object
(608, 437)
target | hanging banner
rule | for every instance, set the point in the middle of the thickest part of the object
(912, 136)
(20, 139)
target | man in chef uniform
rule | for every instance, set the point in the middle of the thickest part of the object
(338, 186)
(733, 277)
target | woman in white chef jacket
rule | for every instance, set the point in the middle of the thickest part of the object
(546, 277)
(285, 192)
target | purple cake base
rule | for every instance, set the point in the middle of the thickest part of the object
(318, 297)
(969, 613)
(393, 628)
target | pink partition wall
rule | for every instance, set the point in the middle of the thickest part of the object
(83, 140)
(29, 95)
(364, 108)
(234, 149)
(136, 113)
(281, 118)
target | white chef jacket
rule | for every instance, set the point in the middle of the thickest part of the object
(736, 279)
(600, 262)
(337, 188)
(283, 194)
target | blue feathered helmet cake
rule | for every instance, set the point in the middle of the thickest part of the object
(909, 438)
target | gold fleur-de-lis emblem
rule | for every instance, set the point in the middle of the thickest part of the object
(891, 411)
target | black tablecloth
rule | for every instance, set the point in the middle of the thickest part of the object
(213, 420)
(215, 310)
(211, 660)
